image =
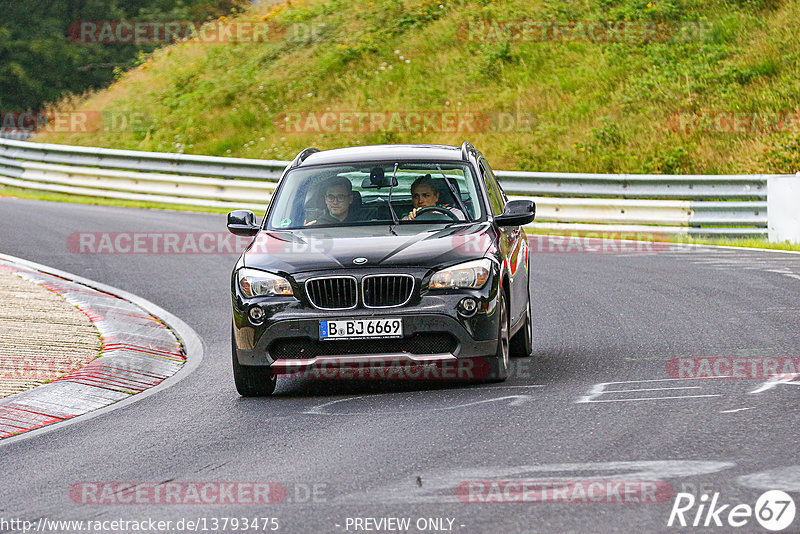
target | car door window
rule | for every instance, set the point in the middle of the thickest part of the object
(496, 199)
(496, 182)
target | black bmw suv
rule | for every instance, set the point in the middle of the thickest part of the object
(390, 261)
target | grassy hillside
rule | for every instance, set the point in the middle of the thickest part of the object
(587, 106)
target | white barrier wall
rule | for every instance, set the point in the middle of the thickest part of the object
(783, 208)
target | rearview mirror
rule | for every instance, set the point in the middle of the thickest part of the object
(242, 222)
(378, 179)
(517, 213)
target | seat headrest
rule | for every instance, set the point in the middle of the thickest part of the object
(445, 196)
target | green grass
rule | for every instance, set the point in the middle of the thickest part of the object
(589, 107)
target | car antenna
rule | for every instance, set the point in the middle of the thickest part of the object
(391, 186)
(453, 192)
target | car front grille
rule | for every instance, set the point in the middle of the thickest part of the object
(420, 343)
(377, 290)
(333, 293)
(387, 290)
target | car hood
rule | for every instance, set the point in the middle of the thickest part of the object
(314, 249)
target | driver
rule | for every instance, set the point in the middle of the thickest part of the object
(425, 195)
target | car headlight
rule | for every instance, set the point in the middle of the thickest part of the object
(471, 275)
(255, 283)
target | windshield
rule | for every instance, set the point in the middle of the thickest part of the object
(359, 194)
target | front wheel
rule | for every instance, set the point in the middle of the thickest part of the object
(500, 362)
(522, 342)
(251, 380)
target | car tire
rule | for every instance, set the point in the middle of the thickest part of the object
(522, 342)
(251, 380)
(500, 362)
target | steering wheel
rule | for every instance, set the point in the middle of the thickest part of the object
(438, 209)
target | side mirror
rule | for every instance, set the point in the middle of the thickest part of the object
(517, 213)
(242, 222)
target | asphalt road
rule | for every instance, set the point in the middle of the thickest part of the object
(607, 326)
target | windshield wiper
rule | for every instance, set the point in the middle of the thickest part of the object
(454, 192)
(391, 187)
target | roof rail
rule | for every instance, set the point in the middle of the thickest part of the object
(465, 149)
(301, 157)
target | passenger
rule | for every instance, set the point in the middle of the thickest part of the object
(338, 197)
(425, 195)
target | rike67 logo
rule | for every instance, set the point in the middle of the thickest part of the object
(774, 510)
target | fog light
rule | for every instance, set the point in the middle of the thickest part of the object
(467, 307)
(256, 315)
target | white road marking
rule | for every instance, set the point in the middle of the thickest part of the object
(787, 266)
(514, 387)
(787, 379)
(601, 389)
(653, 398)
(784, 272)
(736, 410)
(650, 389)
(516, 400)
(316, 409)
(783, 478)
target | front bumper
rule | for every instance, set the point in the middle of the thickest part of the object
(257, 345)
(289, 340)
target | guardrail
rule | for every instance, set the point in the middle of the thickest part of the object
(734, 206)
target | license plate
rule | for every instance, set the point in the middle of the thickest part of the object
(361, 328)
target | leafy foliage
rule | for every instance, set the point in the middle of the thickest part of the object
(39, 62)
